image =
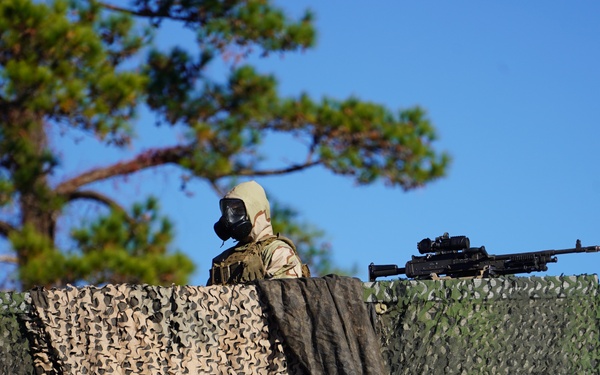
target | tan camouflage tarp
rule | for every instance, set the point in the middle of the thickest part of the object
(498, 326)
(133, 329)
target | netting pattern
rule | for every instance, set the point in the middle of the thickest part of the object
(489, 326)
(130, 329)
(14, 347)
(494, 326)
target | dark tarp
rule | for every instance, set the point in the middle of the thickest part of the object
(324, 324)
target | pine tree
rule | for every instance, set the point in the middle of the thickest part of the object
(88, 66)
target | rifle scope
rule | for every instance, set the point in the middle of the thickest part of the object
(443, 244)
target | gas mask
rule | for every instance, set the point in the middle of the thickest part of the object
(234, 220)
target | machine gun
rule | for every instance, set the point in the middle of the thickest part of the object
(453, 257)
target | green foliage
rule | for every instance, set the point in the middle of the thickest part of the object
(229, 121)
(128, 248)
(44, 265)
(85, 67)
(55, 65)
(116, 248)
(367, 141)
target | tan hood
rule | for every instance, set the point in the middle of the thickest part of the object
(257, 207)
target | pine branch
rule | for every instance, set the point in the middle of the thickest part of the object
(145, 160)
(8, 259)
(220, 190)
(95, 196)
(151, 14)
(6, 229)
(125, 10)
(272, 172)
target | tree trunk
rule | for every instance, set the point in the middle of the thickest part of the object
(30, 163)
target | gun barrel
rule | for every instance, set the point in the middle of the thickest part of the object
(381, 270)
(578, 249)
(548, 253)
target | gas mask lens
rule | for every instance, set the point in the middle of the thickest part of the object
(233, 210)
(233, 221)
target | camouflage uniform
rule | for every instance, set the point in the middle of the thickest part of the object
(262, 255)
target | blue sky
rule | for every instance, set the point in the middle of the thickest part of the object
(512, 88)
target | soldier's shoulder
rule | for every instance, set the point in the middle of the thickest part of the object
(275, 244)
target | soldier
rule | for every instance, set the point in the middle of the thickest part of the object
(259, 254)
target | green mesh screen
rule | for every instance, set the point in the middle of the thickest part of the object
(489, 326)
(15, 357)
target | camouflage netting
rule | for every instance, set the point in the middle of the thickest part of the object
(15, 357)
(497, 326)
(489, 326)
(131, 329)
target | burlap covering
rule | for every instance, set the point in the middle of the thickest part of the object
(512, 325)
